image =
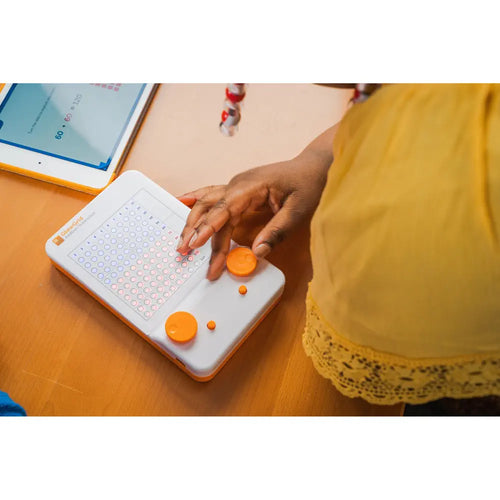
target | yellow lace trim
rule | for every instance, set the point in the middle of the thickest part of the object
(386, 379)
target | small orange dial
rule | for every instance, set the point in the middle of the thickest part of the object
(181, 326)
(241, 261)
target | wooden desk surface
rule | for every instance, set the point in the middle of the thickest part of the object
(62, 353)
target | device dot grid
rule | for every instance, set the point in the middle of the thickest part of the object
(122, 248)
(133, 254)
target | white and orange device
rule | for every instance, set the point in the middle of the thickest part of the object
(121, 248)
(75, 135)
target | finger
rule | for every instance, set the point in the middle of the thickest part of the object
(199, 209)
(201, 192)
(276, 230)
(191, 197)
(221, 243)
(204, 204)
(230, 207)
(213, 221)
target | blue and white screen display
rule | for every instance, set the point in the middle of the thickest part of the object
(82, 123)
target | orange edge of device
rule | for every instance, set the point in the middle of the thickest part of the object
(55, 180)
(157, 347)
(74, 185)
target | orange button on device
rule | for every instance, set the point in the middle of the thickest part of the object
(241, 261)
(242, 289)
(181, 326)
(211, 325)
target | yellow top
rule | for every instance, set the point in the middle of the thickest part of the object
(404, 304)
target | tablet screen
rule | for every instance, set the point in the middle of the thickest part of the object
(82, 123)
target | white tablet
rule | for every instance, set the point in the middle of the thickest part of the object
(76, 135)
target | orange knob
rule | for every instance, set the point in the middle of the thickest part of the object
(241, 261)
(181, 326)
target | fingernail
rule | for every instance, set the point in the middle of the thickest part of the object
(181, 241)
(189, 201)
(193, 239)
(262, 250)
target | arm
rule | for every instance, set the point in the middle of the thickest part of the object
(292, 190)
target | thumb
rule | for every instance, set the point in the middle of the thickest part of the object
(276, 230)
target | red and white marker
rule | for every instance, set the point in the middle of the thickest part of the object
(231, 114)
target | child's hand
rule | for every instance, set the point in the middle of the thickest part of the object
(291, 189)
